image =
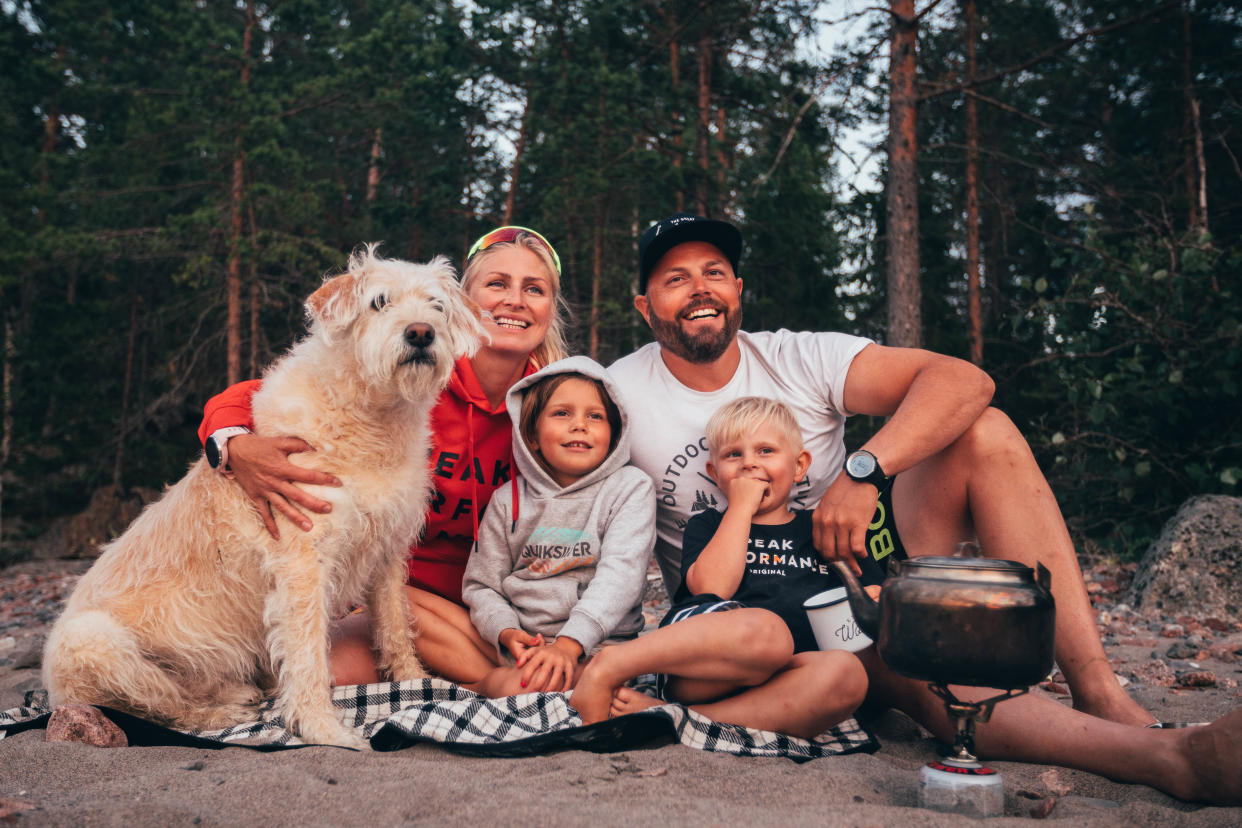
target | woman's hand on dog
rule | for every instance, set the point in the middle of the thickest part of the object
(262, 468)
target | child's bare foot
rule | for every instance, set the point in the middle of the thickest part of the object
(592, 696)
(627, 700)
(1214, 756)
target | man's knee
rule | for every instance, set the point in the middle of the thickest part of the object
(992, 434)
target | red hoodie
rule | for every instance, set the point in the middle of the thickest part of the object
(471, 455)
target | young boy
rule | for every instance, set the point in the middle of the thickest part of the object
(737, 646)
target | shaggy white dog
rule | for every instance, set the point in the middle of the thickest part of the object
(189, 615)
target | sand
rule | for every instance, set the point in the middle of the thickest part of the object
(56, 783)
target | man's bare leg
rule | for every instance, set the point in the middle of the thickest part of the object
(447, 643)
(987, 485)
(1201, 764)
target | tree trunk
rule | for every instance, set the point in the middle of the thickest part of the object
(597, 276)
(6, 390)
(255, 302)
(416, 240)
(118, 460)
(674, 62)
(516, 169)
(704, 122)
(1196, 191)
(50, 124)
(974, 312)
(373, 169)
(234, 279)
(905, 327)
(373, 178)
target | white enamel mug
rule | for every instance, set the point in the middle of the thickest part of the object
(833, 622)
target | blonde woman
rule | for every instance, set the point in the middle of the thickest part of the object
(514, 275)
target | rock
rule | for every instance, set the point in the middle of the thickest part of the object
(1156, 673)
(30, 653)
(1197, 678)
(12, 807)
(1224, 652)
(105, 517)
(83, 723)
(1054, 783)
(1042, 808)
(1195, 566)
(1182, 649)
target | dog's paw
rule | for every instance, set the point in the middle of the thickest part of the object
(219, 716)
(321, 727)
(331, 733)
(408, 669)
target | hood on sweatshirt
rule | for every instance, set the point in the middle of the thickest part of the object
(536, 477)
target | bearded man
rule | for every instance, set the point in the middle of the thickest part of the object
(945, 467)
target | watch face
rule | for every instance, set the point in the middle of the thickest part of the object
(213, 452)
(860, 464)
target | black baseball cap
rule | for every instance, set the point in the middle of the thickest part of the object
(667, 233)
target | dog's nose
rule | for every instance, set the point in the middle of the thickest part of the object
(420, 334)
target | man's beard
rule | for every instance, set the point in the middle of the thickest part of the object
(704, 347)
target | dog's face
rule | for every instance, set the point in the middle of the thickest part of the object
(405, 324)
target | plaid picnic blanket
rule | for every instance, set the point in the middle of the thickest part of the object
(393, 715)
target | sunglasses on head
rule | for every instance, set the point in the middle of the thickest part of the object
(508, 234)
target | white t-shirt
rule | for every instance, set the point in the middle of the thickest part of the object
(805, 370)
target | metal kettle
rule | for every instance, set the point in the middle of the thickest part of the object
(957, 620)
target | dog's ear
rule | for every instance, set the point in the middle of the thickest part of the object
(466, 321)
(335, 300)
(463, 313)
(472, 306)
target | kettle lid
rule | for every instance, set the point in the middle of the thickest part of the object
(973, 564)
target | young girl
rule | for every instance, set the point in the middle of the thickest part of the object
(561, 560)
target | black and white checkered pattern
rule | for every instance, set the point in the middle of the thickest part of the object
(393, 715)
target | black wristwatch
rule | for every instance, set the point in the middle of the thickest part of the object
(217, 446)
(863, 467)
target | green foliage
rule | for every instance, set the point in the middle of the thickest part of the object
(1111, 324)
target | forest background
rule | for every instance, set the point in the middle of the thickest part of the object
(1052, 188)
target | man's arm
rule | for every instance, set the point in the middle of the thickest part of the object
(930, 399)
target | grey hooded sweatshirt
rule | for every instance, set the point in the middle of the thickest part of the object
(572, 561)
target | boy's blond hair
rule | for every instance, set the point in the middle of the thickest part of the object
(745, 414)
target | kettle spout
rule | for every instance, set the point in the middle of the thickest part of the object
(865, 608)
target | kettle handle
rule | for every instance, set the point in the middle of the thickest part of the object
(1043, 577)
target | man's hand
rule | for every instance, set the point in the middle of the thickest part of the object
(550, 668)
(262, 468)
(745, 494)
(841, 519)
